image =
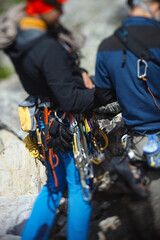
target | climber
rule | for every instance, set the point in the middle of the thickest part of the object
(46, 58)
(127, 70)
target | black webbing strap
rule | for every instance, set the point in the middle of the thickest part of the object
(126, 39)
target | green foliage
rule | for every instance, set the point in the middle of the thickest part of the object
(5, 72)
(18, 1)
(4, 5)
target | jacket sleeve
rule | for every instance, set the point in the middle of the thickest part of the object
(103, 96)
(58, 74)
(104, 90)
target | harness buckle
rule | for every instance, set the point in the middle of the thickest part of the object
(141, 62)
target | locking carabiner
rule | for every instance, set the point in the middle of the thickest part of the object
(60, 119)
(141, 62)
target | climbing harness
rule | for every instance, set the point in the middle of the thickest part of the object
(44, 118)
(35, 115)
(87, 148)
(128, 166)
(89, 140)
(151, 149)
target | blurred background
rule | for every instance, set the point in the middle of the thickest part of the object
(21, 177)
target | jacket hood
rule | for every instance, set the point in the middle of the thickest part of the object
(24, 41)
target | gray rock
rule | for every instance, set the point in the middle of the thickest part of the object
(1, 145)
(18, 171)
(111, 222)
(14, 213)
(11, 94)
(9, 237)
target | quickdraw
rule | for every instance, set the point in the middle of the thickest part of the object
(89, 142)
(44, 117)
(82, 160)
(87, 150)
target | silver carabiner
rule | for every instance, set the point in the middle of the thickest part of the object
(60, 119)
(88, 170)
(124, 140)
(87, 195)
(139, 64)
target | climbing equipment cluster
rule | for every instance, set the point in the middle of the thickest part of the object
(81, 132)
(151, 149)
(89, 142)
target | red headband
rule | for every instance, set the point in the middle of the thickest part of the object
(39, 6)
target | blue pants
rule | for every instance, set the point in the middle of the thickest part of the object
(43, 214)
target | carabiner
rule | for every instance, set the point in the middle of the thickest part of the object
(124, 140)
(60, 119)
(139, 64)
(88, 170)
(87, 195)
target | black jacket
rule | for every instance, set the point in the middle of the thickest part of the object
(46, 68)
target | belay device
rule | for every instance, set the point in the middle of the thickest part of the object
(89, 141)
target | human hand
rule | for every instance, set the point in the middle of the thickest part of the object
(87, 81)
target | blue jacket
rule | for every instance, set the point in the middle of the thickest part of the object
(116, 75)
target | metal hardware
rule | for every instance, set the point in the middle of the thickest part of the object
(141, 62)
(60, 119)
(82, 161)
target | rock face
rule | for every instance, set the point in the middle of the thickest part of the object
(20, 176)
(14, 212)
(114, 216)
(28, 177)
(14, 157)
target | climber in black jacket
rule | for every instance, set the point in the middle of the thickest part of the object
(47, 66)
(46, 60)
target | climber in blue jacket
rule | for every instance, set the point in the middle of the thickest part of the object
(128, 70)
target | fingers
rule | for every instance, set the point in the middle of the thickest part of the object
(87, 81)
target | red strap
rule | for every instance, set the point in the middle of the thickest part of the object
(51, 156)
